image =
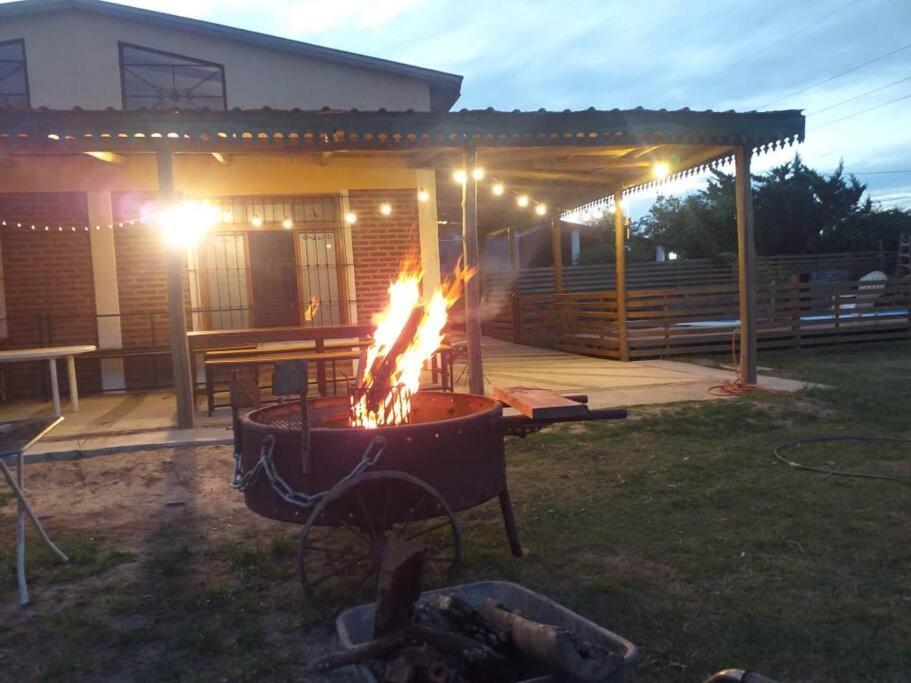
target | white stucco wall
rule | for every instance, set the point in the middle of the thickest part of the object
(73, 60)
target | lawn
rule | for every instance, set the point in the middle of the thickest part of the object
(677, 529)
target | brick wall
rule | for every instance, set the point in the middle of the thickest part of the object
(50, 295)
(142, 283)
(381, 244)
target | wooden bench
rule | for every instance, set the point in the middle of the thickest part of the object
(255, 360)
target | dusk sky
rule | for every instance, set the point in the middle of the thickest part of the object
(847, 64)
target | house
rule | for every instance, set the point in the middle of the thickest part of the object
(328, 170)
(283, 247)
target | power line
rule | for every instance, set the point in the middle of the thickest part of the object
(857, 97)
(862, 111)
(838, 75)
(908, 170)
(768, 47)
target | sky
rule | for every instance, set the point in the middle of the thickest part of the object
(845, 63)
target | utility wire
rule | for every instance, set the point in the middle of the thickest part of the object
(857, 97)
(908, 170)
(838, 75)
(862, 111)
(768, 47)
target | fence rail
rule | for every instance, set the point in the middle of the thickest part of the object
(692, 272)
(705, 319)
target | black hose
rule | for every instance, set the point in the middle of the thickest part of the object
(841, 473)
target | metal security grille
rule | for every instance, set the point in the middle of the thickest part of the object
(13, 75)
(152, 79)
(289, 267)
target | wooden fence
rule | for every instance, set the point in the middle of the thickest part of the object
(694, 272)
(705, 319)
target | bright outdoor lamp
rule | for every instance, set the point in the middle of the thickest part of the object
(185, 224)
(661, 170)
(460, 176)
(477, 173)
(497, 189)
(522, 200)
(541, 209)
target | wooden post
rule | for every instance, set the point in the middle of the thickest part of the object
(177, 313)
(472, 260)
(556, 247)
(512, 242)
(746, 260)
(620, 274)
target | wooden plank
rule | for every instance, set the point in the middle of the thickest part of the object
(539, 404)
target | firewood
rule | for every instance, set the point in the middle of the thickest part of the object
(483, 663)
(399, 585)
(552, 647)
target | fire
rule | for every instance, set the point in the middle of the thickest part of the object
(408, 332)
(312, 308)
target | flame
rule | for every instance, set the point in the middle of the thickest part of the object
(312, 308)
(394, 322)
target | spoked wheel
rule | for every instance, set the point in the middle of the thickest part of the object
(344, 540)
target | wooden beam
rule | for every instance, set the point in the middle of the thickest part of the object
(620, 274)
(177, 312)
(222, 158)
(472, 260)
(746, 259)
(108, 157)
(556, 249)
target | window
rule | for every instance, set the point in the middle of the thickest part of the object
(159, 80)
(13, 75)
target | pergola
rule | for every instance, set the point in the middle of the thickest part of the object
(564, 159)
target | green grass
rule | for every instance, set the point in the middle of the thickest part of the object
(676, 529)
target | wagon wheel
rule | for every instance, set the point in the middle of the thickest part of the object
(343, 542)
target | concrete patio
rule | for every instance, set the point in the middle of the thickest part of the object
(119, 422)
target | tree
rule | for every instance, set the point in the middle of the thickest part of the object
(797, 211)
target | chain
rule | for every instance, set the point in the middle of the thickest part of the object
(241, 480)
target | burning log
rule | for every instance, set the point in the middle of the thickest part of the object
(555, 648)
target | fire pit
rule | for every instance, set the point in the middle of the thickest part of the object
(388, 461)
(371, 484)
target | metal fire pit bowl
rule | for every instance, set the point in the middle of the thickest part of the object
(453, 444)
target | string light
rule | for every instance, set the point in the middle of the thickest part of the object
(257, 222)
(287, 224)
(460, 176)
(522, 200)
(385, 208)
(541, 209)
(497, 189)
(423, 195)
(351, 218)
(477, 173)
(661, 170)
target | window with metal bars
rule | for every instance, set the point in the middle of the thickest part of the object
(265, 274)
(14, 91)
(152, 79)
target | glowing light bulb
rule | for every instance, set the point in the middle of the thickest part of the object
(541, 209)
(522, 200)
(661, 170)
(287, 224)
(477, 173)
(185, 224)
(423, 196)
(257, 222)
(351, 218)
(460, 176)
(385, 208)
(497, 189)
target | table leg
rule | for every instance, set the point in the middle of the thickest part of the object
(55, 390)
(20, 531)
(71, 377)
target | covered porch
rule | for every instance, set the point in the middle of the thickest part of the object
(510, 168)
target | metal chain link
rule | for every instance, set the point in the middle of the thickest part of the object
(241, 480)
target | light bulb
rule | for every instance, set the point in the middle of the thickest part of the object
(477, 173)
(385, 208)
(661, 170)
(497, 189)
(522, 200)
(351, 218)
(423, 196)
(460, 176)
(257, 222)
(541, 209)
(287, 224)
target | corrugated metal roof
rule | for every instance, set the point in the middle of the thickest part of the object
(239, 130)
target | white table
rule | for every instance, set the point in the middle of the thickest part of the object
(51, 354)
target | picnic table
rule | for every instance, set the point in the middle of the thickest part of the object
(15, 439)
(51, 354)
